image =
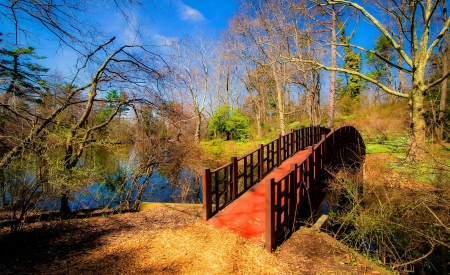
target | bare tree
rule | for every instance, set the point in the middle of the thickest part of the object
(422, 36)
(192, 71)
(259, 32)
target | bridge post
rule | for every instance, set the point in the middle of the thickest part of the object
(270, 215)
(261, 162)
(310, 167)
(278, 150)
(292, 142)
(333, 146)
(303, 138)
(293, 192)
(324, 149)
(206, 192)
(234, 178)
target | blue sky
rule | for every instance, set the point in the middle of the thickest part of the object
(158, 21)
(190, 17)
(167, 20)
(171, 19)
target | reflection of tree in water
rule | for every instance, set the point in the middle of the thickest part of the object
(161, 167)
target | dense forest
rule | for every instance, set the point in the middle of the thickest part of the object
(129, 114)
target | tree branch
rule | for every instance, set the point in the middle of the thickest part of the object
(383, 30)
(376, 54)
(415, 260)
(444, 76)
(436, 217)
(363, 76)
(439, 37)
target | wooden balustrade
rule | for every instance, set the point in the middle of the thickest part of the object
(304, 182)
(223, 185)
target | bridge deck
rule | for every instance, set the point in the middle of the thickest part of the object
(246, 215)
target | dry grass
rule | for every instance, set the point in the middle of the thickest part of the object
(318, 253)
(379, 122)
(387, 170)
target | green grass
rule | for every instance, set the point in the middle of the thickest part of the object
(378, 148)
(426, 172)
(223, 150)
(393, 146)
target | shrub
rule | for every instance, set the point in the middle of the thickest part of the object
(234, 125)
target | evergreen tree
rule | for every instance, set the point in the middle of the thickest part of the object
(19, 75)
(352, 61)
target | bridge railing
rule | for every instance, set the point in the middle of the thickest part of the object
(304, 182)
(223, 185)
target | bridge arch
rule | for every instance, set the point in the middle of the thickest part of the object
(308, 151)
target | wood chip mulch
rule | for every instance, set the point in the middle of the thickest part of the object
(164, 240)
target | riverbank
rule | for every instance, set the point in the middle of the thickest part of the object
(163, 240)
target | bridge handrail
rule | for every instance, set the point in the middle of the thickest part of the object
(223, 185)
(303, 183)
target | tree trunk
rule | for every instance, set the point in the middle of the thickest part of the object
(417, 127)
(198, 128)
(332, 93)
(315, 100)
(258, 121)
(443, 102)
(280, 103)
(401, 74)
(2, 188)
(227, 87)
(65, 208)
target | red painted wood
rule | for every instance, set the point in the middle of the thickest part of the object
(246, 215)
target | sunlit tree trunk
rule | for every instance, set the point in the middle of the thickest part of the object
(280, 98)
(332, 93)
(417, 112)
(443, 100)
(401, 74)
(258, 121)
(198, 127)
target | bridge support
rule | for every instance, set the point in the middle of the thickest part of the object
(206, 192)
(270, 215)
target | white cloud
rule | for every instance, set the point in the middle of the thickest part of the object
(164, 40)
(190, 14)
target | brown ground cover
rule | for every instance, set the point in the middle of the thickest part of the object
(164, 240)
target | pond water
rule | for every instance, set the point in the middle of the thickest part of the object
(100, 194)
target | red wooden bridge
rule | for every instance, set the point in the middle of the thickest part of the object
(259, 195)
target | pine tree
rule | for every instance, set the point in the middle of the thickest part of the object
(352, 61)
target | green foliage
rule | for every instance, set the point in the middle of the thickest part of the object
(353, 61)
(238, 126)
(112, 182)
(346, 105)
(234, 126)
(216, 151)
(384, 49)
(295, 125)
(104, 114)
(20, 76)
(113, 98)
(217, 123)
(383, 144)
(431, 172)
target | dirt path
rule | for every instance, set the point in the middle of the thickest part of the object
(165, 240)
